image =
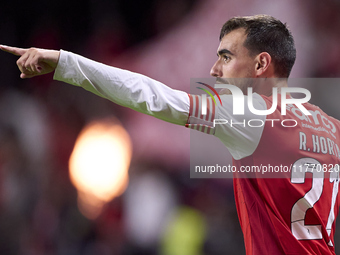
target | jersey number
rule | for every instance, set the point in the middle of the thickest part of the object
(299, 209)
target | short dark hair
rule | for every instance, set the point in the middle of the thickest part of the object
(266, 34)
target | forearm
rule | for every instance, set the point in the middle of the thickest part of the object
(123, 87)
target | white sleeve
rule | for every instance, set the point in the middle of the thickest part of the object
(241, 134)
(123, 87)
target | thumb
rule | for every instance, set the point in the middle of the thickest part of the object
(26, 76)
(13, 50)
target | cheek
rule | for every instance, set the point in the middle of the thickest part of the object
(234, 69)
(237, 69)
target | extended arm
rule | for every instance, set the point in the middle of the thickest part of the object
(148, 96)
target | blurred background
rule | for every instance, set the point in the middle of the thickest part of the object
(156, 208)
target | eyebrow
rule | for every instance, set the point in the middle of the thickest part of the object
(224, 51)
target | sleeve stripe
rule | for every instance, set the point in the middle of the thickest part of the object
(212, 111)
(196, 105)
(191, 104)
(196, 113)
(208, 109)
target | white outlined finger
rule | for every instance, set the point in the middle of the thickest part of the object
(13, 50)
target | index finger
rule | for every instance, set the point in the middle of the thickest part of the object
(13, 50)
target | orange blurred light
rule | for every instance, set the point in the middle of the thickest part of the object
(99, 165)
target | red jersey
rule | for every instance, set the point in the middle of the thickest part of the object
(291, 208)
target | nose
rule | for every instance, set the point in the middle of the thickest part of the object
(216, 70)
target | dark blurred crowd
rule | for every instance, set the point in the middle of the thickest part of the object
(163, 211)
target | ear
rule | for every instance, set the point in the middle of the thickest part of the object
(263, 65)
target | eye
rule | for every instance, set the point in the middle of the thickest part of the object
(226, 58)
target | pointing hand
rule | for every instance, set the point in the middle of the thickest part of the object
(33, 61)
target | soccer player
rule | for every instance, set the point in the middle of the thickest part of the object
(293, 213)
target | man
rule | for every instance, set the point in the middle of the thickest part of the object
(289, 214)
